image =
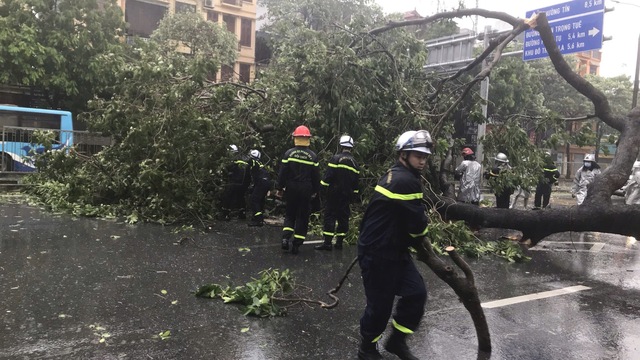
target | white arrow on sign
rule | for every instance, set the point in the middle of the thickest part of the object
(593, 32)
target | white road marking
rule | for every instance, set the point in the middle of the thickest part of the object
(568, 245)
(536, 296)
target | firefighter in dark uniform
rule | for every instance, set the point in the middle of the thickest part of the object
(261, 185)
(550, 175)
(394, 221)
(341, 182)
(503, 194)
(299, 178)
(238, 180)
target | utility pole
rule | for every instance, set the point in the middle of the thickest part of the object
(484, 96)
(634, 102)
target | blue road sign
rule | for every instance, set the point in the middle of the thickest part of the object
(569, 9)
(576, 26)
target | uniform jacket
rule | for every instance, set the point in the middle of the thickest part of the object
(299, 165)
(583, 178)
(395, 218)
(238, 171)
(258, 172)
(342, 175)
(550, 174)
(471, 171)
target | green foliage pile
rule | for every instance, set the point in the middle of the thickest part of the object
(170, 129)
(257, 296)
(457, 234)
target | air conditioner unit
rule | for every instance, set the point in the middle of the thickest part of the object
(208, 4)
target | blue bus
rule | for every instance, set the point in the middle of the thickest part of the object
(18, 125)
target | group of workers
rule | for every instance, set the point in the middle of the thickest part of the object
(298, 185)
(394, 221)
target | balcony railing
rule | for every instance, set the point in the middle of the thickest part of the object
(235, 3)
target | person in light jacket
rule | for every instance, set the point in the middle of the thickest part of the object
(585, 176)
(469, 172)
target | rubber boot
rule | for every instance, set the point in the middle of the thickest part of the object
(326, 245)
(398, 346)
(285, 244)
(295, 246)
(368, 351)
(338, 244)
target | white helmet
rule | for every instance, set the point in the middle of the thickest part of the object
(419, 141)
(255, 154)
(233, 148)
(502, 158)
(590, 157)
(346, 141)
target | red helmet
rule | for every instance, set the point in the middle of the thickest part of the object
(302, 131)
(467, 151)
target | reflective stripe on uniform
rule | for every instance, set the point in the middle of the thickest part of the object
(284, 161)
(241, 162)
(298, 236)
(401, 328)
(328, 233)
(423, 233)
(322, 182)
(287, 229)
(341, 234)
(376, 339)
(392, 195)
(258, 213)
(344, 167)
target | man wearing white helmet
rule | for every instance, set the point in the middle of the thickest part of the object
(585, 176)
(261, 185)
(502, 192)
(394, 221)
(341, 182)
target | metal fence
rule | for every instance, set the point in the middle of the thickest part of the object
(18, 145)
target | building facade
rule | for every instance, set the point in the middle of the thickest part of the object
(237, 16)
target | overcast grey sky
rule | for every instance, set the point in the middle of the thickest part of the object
(618, 55)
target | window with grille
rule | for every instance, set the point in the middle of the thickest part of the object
(230, 20)
(226, 73)
(245, 32)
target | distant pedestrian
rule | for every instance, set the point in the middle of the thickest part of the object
(394, 221)
(299, 179)
(261, 185)
(341, 182)
(550, 176)
(500, 186)
(469, 172)
(632, 191)
(585, 176)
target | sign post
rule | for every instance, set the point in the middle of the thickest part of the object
(576, 26)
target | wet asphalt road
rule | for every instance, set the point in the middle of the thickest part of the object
(92, 289)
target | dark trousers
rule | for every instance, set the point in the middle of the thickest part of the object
(383, 280)
(543, 195)
(233, 198)
(503, 199)
(257, 199)
(336, 210)
(296, 221)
